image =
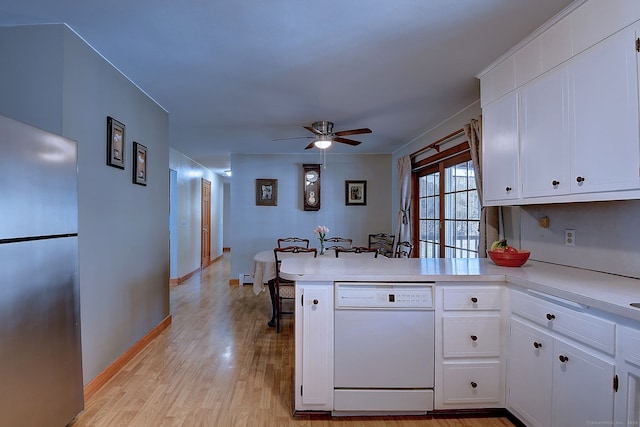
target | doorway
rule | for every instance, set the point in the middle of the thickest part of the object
(173, 224)
(205, 237)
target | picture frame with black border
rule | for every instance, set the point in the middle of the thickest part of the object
(266, 192)
(116, 138)
(139, 164)
(355, 193)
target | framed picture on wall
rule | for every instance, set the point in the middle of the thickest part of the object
(355, 193)
(140, 164)
(115, 143)
(266, 192)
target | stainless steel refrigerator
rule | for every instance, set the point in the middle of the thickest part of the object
(40, 349)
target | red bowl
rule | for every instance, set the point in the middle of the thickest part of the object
(509, 259)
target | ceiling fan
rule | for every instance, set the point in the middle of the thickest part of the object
(325, 136)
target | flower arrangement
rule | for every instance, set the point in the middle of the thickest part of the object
(321, 231)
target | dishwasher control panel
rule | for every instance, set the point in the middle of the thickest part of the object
(384, 295)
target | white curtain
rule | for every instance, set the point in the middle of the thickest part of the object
(403, 228)
(488, 215)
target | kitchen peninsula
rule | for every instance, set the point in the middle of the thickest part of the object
(583, 319)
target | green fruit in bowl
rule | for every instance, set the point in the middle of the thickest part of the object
(499, 245)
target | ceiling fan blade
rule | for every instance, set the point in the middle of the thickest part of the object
(310, 129)
(353, 132)
(346, 141)
(310, 145)
(295, 137)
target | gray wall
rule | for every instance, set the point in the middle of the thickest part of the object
(256, 228)
(607, 235)
(51, 79)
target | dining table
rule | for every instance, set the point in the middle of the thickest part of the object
(263, 271)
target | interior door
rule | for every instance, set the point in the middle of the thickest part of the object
(205, 237)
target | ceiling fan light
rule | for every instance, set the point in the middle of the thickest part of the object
(323, 142)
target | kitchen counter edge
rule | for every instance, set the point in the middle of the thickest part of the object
(602, 291)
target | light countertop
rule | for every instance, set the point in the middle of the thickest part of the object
(606, 292)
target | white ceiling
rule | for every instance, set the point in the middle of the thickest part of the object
(236, 74)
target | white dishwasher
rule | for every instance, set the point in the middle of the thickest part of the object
(384, 348)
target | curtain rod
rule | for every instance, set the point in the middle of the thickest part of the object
(436, 145)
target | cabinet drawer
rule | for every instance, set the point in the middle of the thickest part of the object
(471, 336)
(472, 298)
(472, 383)
(585, 328)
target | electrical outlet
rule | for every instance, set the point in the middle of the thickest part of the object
(569, 237)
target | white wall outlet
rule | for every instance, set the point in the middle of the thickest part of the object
(569, 237)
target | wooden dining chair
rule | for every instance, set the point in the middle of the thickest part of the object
(337, 242)
(357, 250)
(403, 249)
(383, 243)
(293, 241)
(285, 289)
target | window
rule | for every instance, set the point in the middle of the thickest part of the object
(446, 207)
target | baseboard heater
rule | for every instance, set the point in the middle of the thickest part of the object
(245, 279)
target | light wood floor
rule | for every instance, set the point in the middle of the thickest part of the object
(218, 364)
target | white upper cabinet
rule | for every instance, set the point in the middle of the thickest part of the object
(544, 142)
(595, 20)
(572, 120)
(556, 45)
(500, 81)
(500, 150)
(604, 116)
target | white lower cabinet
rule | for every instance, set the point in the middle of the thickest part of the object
(469, 368)
(529, 374)
(583, 391)
(314, 356)
(628, 367)
(554, 378)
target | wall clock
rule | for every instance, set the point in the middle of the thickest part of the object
(311, 185)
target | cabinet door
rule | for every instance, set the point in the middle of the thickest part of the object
(628, 370)
(314, 356)
(582, 387)
(629, 412)
(529, 374)
(603, 87)
(500, 150)
(544, 143)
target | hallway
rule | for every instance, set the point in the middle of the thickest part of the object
(218, 364)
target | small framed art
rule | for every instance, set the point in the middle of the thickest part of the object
(140, 164)
(115, 143)
(355, 193)
(266, 192)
